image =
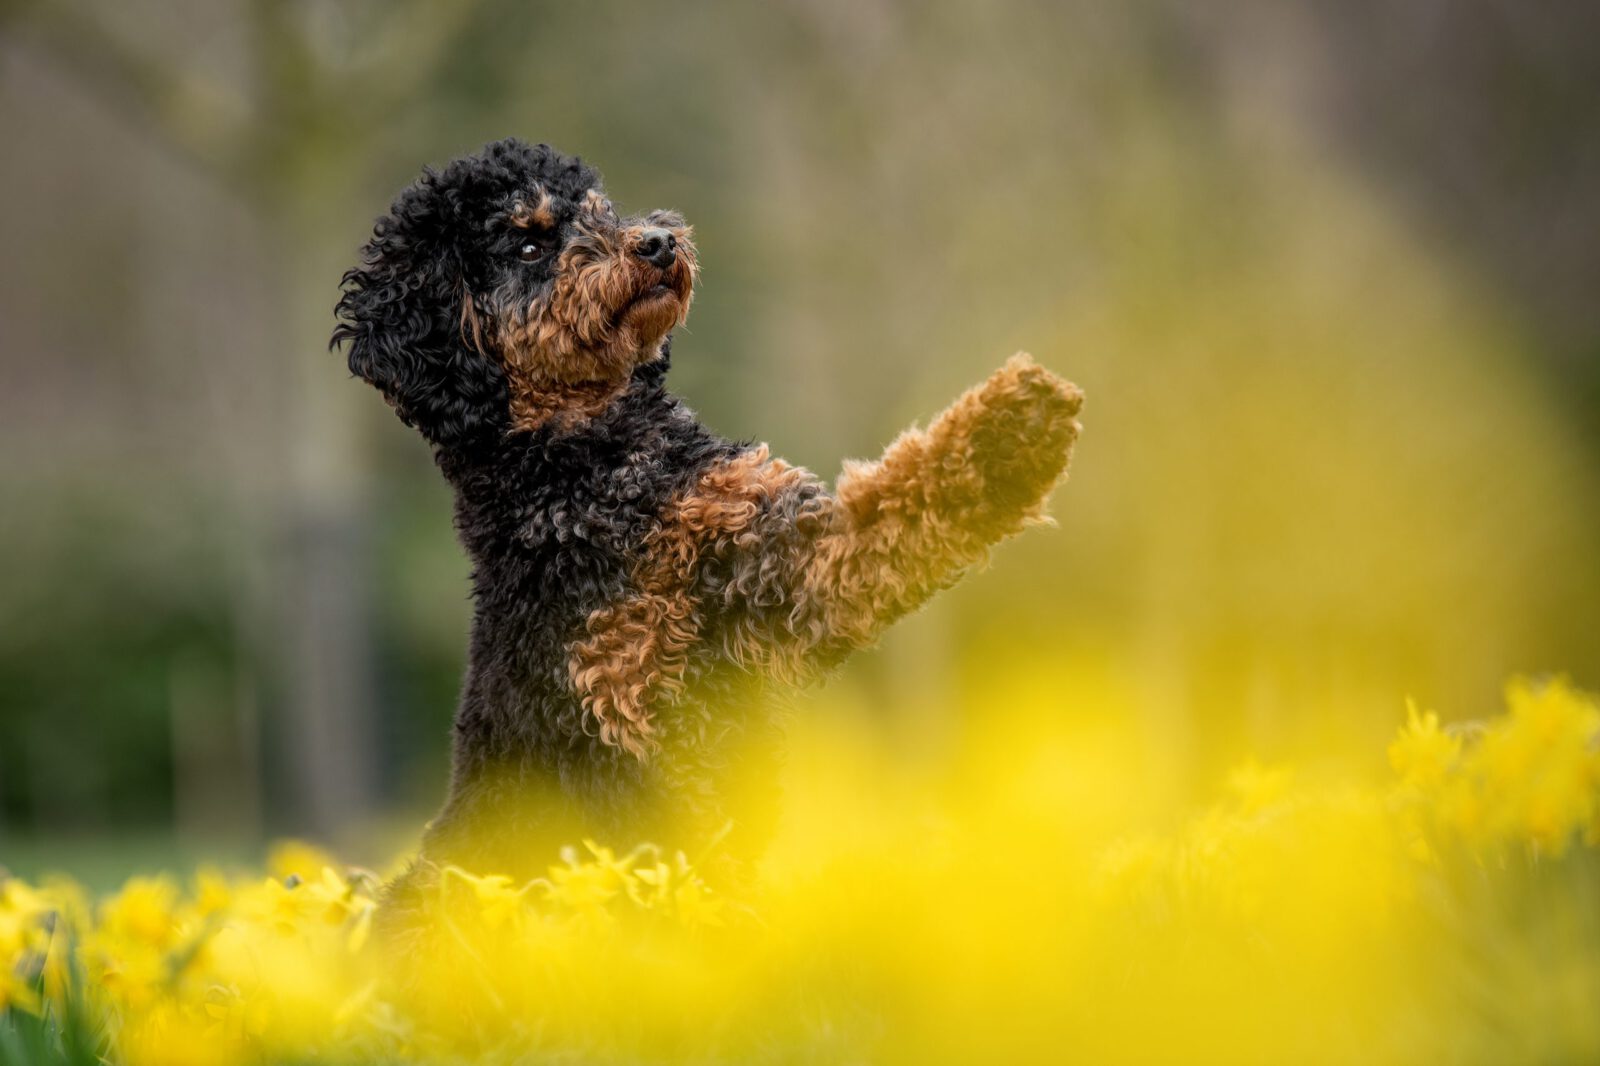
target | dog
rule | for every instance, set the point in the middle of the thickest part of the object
(643, 589)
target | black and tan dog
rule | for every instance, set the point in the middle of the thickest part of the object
(639, 582)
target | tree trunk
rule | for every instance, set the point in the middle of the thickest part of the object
(324, 515)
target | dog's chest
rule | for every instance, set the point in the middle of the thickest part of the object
(558, 532)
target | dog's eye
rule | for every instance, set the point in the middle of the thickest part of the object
(530, 253)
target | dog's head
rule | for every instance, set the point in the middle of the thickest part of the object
(504, 291)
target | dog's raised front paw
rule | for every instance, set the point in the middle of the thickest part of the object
(1024, 431)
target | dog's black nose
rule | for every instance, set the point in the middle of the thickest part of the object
(657, 247)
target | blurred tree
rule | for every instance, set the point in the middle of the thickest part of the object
(291, 131)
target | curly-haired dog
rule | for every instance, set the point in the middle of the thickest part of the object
(639, 582)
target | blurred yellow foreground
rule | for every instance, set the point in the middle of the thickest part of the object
(1042, 903)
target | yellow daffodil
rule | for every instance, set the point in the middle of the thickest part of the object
(297, 860)
(497, 901)
(144, 912)
(1423, 754)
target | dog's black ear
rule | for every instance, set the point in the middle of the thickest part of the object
(401, 318)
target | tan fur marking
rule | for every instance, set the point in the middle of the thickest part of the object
(532, 405)
(636, 650)
(541, 213)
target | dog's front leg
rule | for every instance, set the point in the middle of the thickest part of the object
(789, 578)
(899, 529)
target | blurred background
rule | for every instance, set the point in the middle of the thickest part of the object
(1328, 273)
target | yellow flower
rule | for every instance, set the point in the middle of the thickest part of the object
(22, 913)
(650, 886)
(1423, 754)
(497, 902)
(1553, 711)
(1257, 787)
(17, 993)
(295, 859)
(134, 974)
(285, 907)
(333, 894)
(1536, 766)
(675, 890)
(585, 887)
(18, 898)
(144, 912)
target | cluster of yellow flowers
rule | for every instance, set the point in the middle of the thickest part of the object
(266, 968)
(1290, 922)
(1532, 774)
